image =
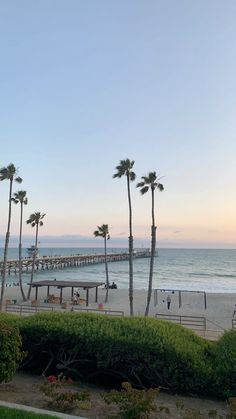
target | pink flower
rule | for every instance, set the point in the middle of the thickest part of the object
(52, 378)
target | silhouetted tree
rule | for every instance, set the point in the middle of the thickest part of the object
(124, 168)
(103, 231)
(7, 173)
(20, 197)
(35, 220)
(151, 181)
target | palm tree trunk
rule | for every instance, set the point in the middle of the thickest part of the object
(106, 269)
(20, 254)
(131, 285)
(6, 248)
(33, 262)
(153, 247)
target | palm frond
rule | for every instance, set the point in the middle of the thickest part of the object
(124, 168)
(20, 196)
(8, 173)
(18, 179)
(132, 176)
(140, 184)
(102, 231)
(144, 190)
(36, 219)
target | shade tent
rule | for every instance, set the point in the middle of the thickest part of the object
(68, 284)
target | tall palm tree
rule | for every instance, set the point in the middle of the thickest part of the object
(103, 231)
(151, 181)
(124, 168)
(20, 197)
(7, 173)
(36, 221)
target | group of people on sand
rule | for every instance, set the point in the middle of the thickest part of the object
(112, 286)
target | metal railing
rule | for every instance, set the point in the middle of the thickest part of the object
(99, 311)
(27, 309)
(31, 309)
(189, 321)
(196, 324)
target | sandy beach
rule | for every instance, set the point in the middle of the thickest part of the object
(219, 310)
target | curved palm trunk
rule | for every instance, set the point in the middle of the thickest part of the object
(20, 253)
(33, 262)
(106, 269)
(131, 286)
(6, 248)
(153, 247)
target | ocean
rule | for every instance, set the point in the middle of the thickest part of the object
(207, 270)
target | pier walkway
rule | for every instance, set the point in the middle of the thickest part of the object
(61, 262)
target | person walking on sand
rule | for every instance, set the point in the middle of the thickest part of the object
(168, 300)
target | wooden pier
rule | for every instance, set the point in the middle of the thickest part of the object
(61, 262)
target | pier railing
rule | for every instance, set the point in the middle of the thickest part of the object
(60, 262)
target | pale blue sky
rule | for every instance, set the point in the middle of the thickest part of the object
(86, 83)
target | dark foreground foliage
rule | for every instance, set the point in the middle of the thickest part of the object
(225, 364)
(10, 350)
(143, 351)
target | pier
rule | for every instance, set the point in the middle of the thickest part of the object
(61, 262)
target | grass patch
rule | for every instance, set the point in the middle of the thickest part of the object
(10, 413)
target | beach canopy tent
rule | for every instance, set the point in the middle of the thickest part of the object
(180, 292)
(68, 284)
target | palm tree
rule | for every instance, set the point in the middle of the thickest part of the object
(124, 168)
(151, 181)
(20, 197)
(7, 173)
(36, 221)
(103, 231)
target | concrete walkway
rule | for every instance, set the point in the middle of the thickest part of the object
(41, 411)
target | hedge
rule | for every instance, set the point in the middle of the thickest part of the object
(10, 350)
(224, 360)
(141, 350)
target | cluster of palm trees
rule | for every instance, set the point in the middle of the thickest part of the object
(9, 173)
(149, 182)
(125, 168)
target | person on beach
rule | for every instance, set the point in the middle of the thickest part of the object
(168, 300)
(75, 300)
(234, 310)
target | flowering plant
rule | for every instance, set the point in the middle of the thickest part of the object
(54, 387)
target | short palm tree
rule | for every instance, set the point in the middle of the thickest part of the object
(103, 231)
(7, 173)
(36, 221)
(151, 181)
(124, 168)
(20, 197)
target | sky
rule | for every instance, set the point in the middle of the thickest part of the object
(87, 83)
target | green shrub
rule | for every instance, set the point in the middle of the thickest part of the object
(143, 351)
(10, 350)
(133, 403)
(225, 364)
(54, 387)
